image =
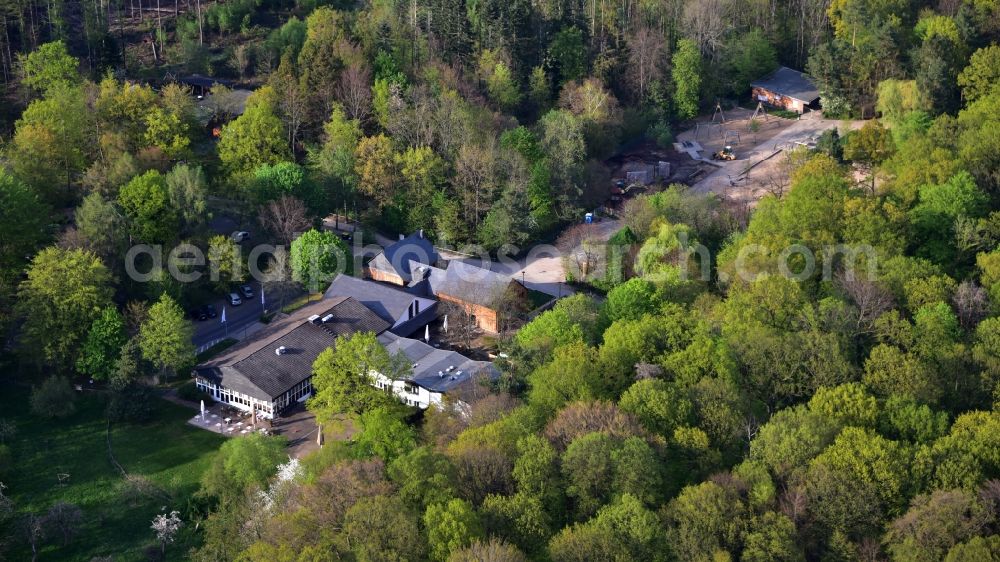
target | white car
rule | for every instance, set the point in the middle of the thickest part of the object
(240, 235)
(235, 299)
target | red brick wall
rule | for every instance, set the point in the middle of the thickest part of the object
(486, 318)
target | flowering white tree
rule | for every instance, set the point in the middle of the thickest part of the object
(264, 501)
(287, 473)
(166, 527)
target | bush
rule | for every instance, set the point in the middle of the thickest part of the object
(53, 398)
(660, 133)
(133, 404)
(784, 114)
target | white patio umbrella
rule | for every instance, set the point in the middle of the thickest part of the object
(202, 410)
(427, 333)
(445, 323)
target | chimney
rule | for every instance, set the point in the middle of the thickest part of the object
(416, 308)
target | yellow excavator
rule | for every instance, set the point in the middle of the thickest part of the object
(724, 154)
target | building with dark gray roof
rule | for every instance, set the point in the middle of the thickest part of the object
(392, 265)
(272, 370)
(406, 312)
(786, 88)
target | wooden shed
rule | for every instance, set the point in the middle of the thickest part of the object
(786, 89)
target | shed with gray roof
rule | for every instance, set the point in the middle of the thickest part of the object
(786, 88)
(392, 265)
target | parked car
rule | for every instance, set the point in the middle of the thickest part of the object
(199, 314)
(246, 290)
(235, 299)
(240, 235)
(210, 310)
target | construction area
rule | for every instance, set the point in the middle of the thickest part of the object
(744, 152)
(739, 154)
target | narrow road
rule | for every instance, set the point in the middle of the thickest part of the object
(238, 318)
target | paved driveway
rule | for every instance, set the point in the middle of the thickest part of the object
(241, 319)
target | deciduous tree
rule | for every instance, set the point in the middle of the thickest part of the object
(102, 349)
(687, 78)
(343, 377)
(146, 202)
(285, 217)
(165, 337)
(54, 398)
(451, 526)
(49, 66)
(254, 138)
(317, 257)
(63, 294)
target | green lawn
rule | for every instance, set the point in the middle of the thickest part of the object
(167, 452)
(301, 301)
(216, 349)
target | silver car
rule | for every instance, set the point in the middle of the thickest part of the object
(235, 299)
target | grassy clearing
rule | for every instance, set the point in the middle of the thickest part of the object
(301, 301)
(216, 349)
(169, 454)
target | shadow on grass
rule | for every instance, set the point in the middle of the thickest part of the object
(66, 460)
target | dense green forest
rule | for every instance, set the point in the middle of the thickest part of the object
(841, 409)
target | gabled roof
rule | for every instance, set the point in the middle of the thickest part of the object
(396, 257)
(425, 275)
(390, 304)
(252, 366)
(791, 83)
(437, 370)
(470, 283)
